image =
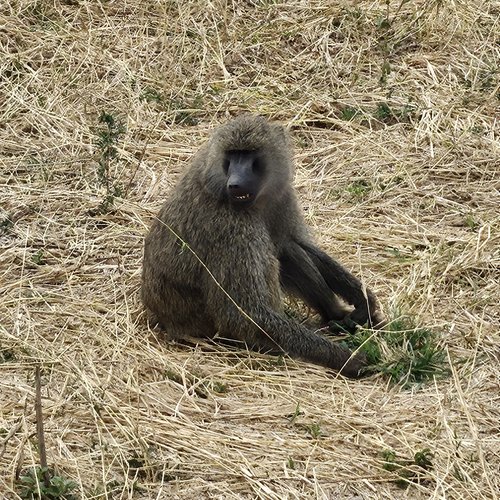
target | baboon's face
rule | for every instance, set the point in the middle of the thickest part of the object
(245, 172)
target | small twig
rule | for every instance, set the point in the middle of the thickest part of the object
(39, 428)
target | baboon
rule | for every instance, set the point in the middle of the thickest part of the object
(231, 239)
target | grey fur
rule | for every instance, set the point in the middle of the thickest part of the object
(253, 254)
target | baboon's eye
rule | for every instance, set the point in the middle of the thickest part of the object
(225, 165)
(257, 166)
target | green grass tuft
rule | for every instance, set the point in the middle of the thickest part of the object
(405, 353)
(32, 485)
(408, 471)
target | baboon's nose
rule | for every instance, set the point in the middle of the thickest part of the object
(237, 190)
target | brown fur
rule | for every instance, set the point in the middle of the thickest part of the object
(253, 254)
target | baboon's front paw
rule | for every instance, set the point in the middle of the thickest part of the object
(339, 327)
(355, 366)
(351, 323)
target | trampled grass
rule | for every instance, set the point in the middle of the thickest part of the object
(393, 107)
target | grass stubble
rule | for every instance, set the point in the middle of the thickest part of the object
(394, 110)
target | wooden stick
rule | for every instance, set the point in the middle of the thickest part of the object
(39, 427)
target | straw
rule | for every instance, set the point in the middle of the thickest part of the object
(393, 107)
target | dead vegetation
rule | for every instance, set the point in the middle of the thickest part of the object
(394, 108)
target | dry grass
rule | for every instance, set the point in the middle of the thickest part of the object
(399, 174)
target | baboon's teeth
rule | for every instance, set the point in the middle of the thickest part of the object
(243, 197)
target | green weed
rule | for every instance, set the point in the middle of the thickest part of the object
(151, 95)
(348, 113)
(314, 430)
(108, 136)
(408, 471)
(297, 413)
(391, 115)
(404, 352)
(32, 485)
(471, 222)
(38, 258)
(359, 188)
(219, 387)
(401, 255)
(383, 112)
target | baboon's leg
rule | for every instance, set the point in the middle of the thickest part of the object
(177, 307)
(300, 277)
(346, 285)
(240, 304)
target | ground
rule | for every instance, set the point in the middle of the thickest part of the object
(394, 111)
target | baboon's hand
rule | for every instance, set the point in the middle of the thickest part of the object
(343, 326)
(355, 366)
(358, 317)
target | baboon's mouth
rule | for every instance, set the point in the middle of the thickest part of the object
(242, 199)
